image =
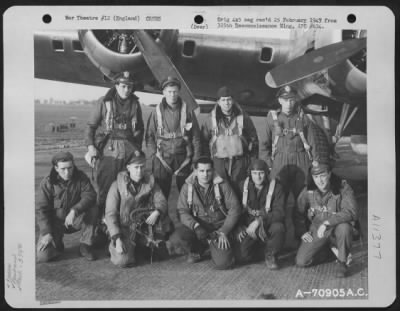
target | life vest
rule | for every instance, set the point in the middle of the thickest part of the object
(297, 130)
(110, 121)
(267, 200)
(228, 141)
(217, 194)
(130, 202)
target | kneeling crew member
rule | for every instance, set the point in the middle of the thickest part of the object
(209, 211)
(230, 138)
(332, 209)
(263, 215)
(66, 204)
(135, 198)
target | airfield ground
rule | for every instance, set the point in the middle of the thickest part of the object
(73, 278)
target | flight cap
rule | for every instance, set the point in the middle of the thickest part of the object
(62, 156)
(170, 81)
(125, 77)
(320, 167)
(137, 157)
(224, 92)
(286, 91)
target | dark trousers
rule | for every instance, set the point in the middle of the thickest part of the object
(341, 236)
(128, 258)
(293, 179)
(185, 238)
(249, 249)
(233, 172)
(115, 154)
(163, 176)
(84, 222)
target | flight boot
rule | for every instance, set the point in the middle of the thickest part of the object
(270, 261)
(341, 269)
(193, 257)
(86, 251)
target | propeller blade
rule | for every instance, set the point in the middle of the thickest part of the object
(313, 62)
(161, 65)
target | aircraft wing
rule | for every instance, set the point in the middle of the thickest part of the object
(59, 56)
(327, 63)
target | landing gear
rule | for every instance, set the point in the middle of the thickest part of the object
(344, 121)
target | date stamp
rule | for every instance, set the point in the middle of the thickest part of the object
(331, 293)
(14, 269)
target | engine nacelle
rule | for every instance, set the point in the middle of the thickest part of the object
(348, 79)
(114, 51)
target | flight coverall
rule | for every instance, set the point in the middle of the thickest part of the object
(127, 207)
(230, 144)
(171, 142)
(271, 232)
(56, 198)
(123, 134)
(213, 214)
(339, 209)
(290, 147)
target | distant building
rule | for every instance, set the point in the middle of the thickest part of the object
(50, 127)
(72, 122)
(62, 127)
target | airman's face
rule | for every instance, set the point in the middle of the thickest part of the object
(287, 104)
(204, 173)
(136, 171)
(322, 181)
(124, 90)
(65, 169)
(171, 93)
(226, 104)
(257, 177)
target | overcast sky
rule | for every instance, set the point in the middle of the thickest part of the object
(45, 89)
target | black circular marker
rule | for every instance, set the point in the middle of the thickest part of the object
(198, 19)
(46, 18)
(351, 18)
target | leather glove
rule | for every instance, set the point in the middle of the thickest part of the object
(201, 233)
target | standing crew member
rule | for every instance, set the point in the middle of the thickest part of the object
(209, 212)
(290, 146)
(66, 204)
(120, 113)
(172, 137)
(136, 212)
(332, 209)
(263, 215)
(230, 138)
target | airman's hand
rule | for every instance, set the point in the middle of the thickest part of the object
(120, 246)
(307, 237)
(69, 220)
(223, 242)
(252, 228)
(151, 220)
(92, 155)
(242, 234)
(45, 241)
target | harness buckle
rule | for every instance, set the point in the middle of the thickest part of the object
(286, 131)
